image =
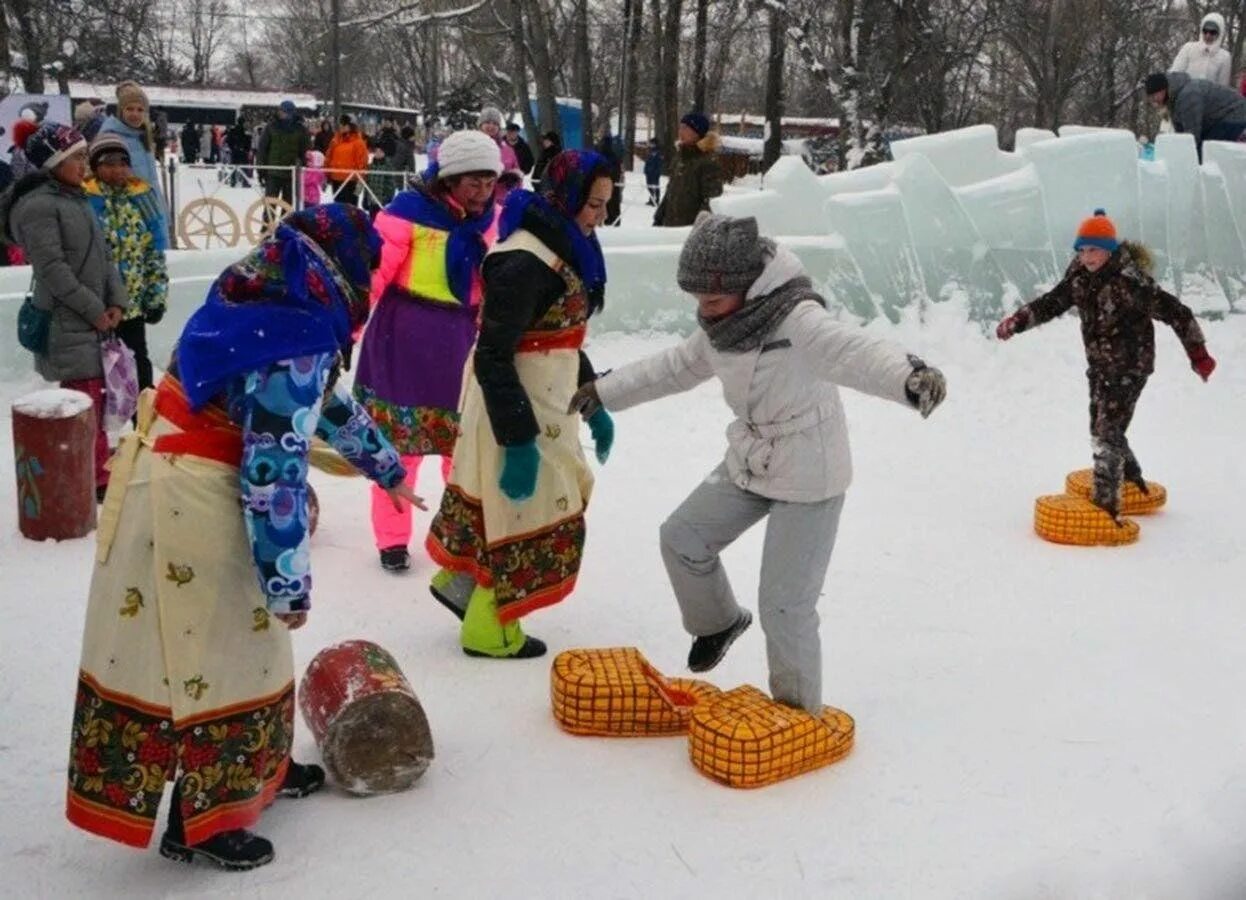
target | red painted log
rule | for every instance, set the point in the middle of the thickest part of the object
(366, 720)
(54, 448)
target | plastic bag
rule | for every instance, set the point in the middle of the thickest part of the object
(120, 384)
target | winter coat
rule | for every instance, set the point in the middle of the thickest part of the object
(523, 153)
(1203, 109)
(387, 140)
(403, 157)
(547, 153)
(789, 440)
(129, 218)
(520, 289)
(313, 177)
(283, 144)
(239, 142)
(1201, 60)
(74, 276)
(348, 154)
(142, 163)
(510, 162)
(190, 143)
(323, 139)
(696, 178)
(653, 166)
(1116, 305)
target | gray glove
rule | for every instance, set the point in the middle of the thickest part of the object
(925, 387)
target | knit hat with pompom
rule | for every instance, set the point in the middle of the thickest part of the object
(1097, 231)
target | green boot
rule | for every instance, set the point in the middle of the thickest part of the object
(484, 635)
(452, 590)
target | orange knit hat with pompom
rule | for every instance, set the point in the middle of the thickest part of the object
(1097, 231)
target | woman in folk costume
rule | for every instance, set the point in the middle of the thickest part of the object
(202, 565)
(510, 531)
(418, 339)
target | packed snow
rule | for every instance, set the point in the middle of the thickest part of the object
(1033, 721)
(52, 403)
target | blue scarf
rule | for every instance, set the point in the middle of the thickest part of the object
(301, 292)
(465, 250)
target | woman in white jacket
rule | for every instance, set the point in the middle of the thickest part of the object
(766, 334)
(1206, 57)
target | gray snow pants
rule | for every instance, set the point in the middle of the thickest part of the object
(797, 551)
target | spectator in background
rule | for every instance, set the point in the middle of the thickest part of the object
(126, 210)
(491, 124)
(403, 157)
(132, 122)
(238, 139)
(382, 182)
(551, 146)
(190, 143)
(387, 137)
(346, 161)
(89, 115)
(313, 177)
(283, 144)
(323, 136)
(47, 214)
(1206, 58)
(1208, 111)
(523, 152)
(653, 172)
(160, 136)
(696, 177)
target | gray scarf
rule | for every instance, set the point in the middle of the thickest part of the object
(749, 326)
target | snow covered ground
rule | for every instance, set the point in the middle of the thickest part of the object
(1033, 721)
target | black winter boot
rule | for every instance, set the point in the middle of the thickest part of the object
(237, 850)
(708, 651)
(301, 780)
(395, 559)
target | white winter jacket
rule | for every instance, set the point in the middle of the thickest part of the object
(789, 440)
(1209, 61)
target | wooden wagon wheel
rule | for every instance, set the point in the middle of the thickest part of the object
(207, 222)
(263, 216)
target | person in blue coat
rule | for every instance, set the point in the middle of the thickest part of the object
(653, 173)
(132, 124)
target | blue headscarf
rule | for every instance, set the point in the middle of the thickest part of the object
(302, 291)
(564, 191)
(465, 249)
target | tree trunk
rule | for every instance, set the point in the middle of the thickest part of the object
(774, 90)
(584, 63)
(635, 18)
(670, 71)
(700, 82)
(32, 45)
(542, 68)
(519, 68)
(661, 118)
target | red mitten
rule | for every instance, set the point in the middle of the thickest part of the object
(1202, 363)
(1007, 327)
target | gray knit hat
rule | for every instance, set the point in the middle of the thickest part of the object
(722, 256)
(491, 114)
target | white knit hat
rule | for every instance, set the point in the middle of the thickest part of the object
(468, 151)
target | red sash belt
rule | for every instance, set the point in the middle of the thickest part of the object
(563, 339)
(208, 434)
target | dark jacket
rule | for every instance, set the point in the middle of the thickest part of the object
(519, 290)
(1207, 110)
(523, 153)
(190, 143)
(283, 144)
(74, 275)
(387, 140)
(239, 141)
(547, 153)
(403, 157)
(696, 178)
(1116, 305)
(653, 166)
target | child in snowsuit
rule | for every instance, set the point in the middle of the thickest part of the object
(128, 211)
(766, 334)
(313, 177)
(1117, 298)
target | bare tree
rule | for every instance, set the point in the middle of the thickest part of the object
(203, 24)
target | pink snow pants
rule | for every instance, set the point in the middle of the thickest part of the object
(390, 527)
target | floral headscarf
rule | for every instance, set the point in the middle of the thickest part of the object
(302, 291)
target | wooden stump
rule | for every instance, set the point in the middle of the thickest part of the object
(366, 720)
(54, 448)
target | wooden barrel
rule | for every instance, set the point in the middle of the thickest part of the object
(369, 725)
(54, 448)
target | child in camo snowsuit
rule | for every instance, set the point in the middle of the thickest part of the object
(1110, 284)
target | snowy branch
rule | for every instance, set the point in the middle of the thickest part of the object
(397, 15)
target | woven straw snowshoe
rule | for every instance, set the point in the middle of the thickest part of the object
(744, 739)
(1075, 520)
(616, 692)
(1133, 501)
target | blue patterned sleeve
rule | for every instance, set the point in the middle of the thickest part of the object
(280, 410)
(348, 427)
